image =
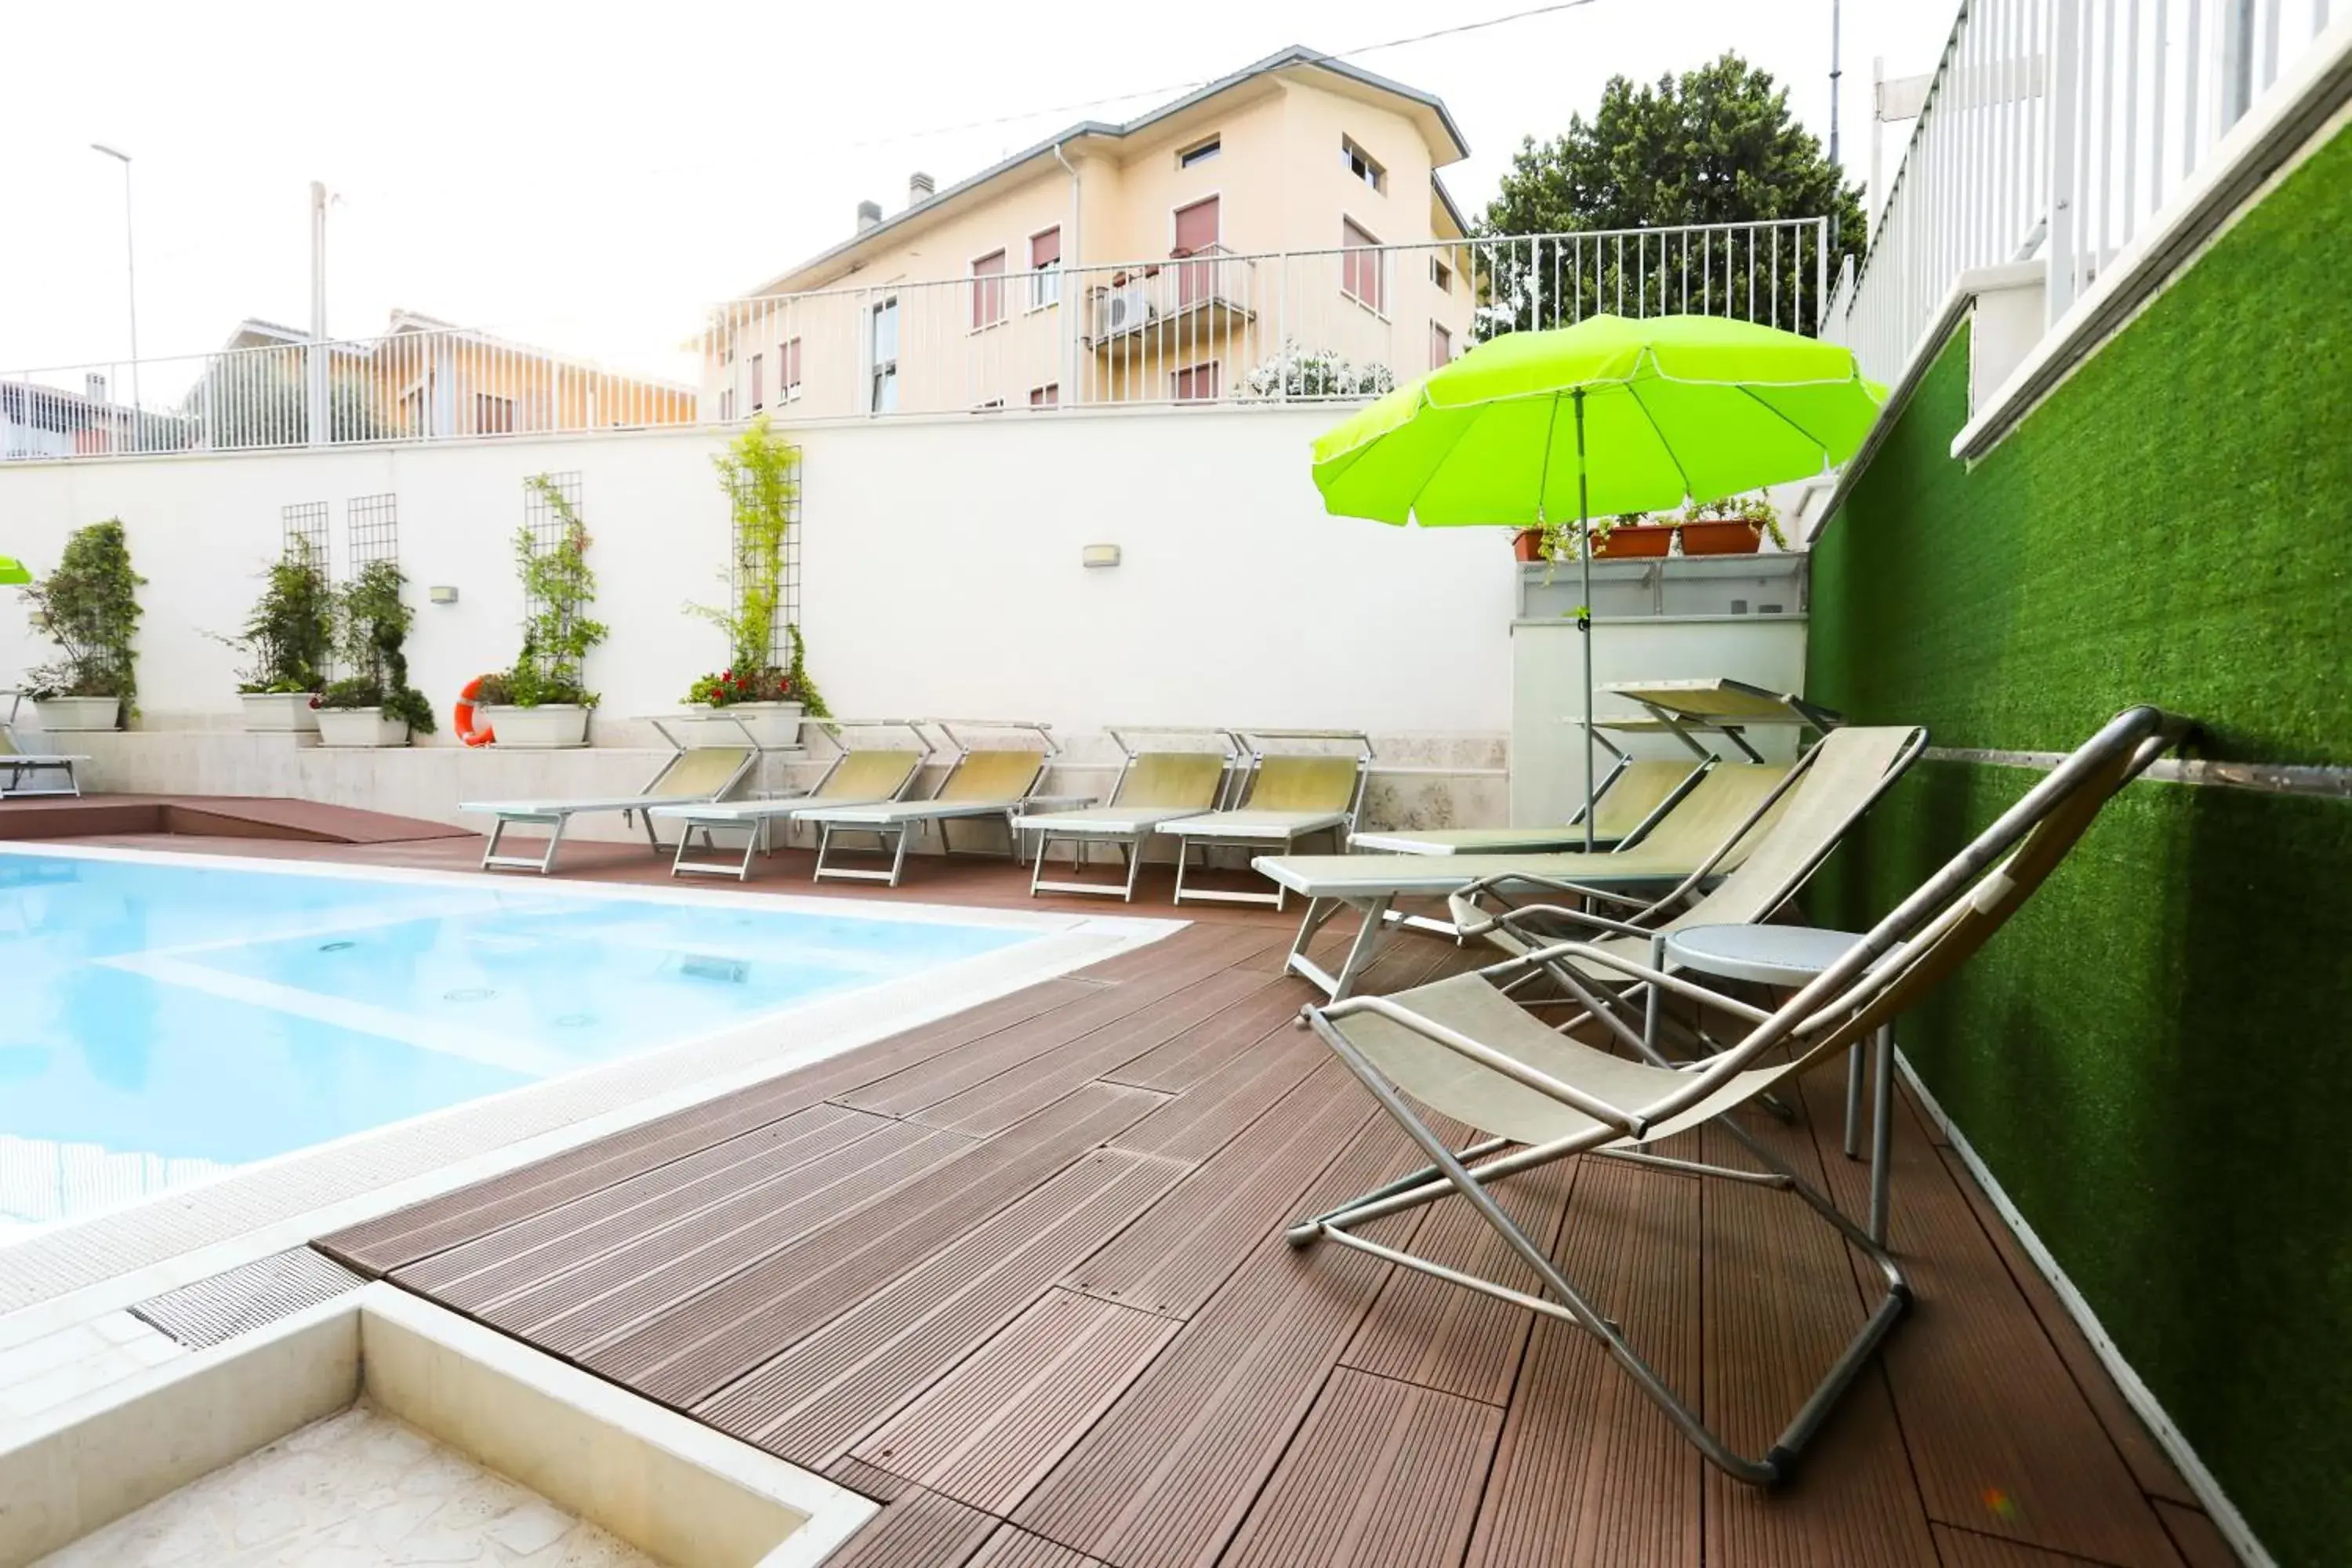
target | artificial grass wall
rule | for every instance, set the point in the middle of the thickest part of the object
(2156, 1058)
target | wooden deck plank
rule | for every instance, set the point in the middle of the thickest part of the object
(514, 1256)
(2002, 1441)
(1232, 945)
(2150, 1467)
(1965, 1549)
(997, 1102)
(1779, 1302)
(1212, 1110)
(1383, 1475)
(406, 1235)
(1013, 1547)
(1589, 1471)
(1164, 1479)
(915, 1529)
(2201, 1541)
(704, 1339)
(1189, 1058)
(1436, 1333)
(989, 1430)
(812, 1402)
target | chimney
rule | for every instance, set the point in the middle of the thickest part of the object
(868, 214)
(93, 386)
(919, 187)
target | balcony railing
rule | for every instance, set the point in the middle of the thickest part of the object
(2054, 128)
(1206, 327)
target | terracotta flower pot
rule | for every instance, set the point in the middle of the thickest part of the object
(1527, 544)
(1633, 541)
(1722, 536)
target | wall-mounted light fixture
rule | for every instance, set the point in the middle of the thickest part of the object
(443, 595)
(1099, 555)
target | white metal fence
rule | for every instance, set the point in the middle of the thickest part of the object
(1217, 327)
(2054, 128)
(1209, 327)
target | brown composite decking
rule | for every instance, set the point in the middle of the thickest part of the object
(1019, 1275)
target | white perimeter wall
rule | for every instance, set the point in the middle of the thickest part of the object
(941, 571)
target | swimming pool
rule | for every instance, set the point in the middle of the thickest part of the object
(163, 1019)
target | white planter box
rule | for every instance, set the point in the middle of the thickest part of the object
(360, 727)
(775, 726)
(279, 712)
(69, 713)
(547, 728)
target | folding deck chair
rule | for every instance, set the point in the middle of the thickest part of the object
(1710, 831)
(982, 782)
(1154, 788)
(1464, 1047)
(692, 773)
(1285, 796)
(17, 765)
(858, 775)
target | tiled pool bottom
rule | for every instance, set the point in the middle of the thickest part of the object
(358, 1490)
(168, 1020)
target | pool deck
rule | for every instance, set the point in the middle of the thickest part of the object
(1018, 1274)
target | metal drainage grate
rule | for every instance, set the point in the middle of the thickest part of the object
(246, 1297)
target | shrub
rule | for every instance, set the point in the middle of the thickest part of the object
(372, 625)
(291, 633)
(89, 607)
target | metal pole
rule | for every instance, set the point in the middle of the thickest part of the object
(130, 277)
(318, 353)
(1584, 613)
(1837, 31)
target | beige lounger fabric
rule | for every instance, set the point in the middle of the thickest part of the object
(1637, 791)
(1159, 785)
(876, 773)
(696, 774)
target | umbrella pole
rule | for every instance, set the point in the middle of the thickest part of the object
(1584, 614)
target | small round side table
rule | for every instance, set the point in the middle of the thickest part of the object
(1791, 956)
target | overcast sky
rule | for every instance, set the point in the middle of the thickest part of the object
(589, 177)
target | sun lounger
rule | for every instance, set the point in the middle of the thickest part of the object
(1154, 788)
(1286, 796)
(1638, 793)
(861, 775)
(982, 783)
(1465, 1049)
(692, 773)
(1792, 825)
(18, 766)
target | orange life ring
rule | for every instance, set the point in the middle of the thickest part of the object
(461, 718)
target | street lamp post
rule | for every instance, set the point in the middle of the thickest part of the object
(130, 274)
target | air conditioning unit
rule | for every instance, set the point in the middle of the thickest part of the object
(1122, 311)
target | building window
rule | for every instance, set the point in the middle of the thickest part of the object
(759, 383)
(1441, 275)
(882, 355)
(788, 370)
(988, 290)
(1047, 396)
(1195, 384)
(1441, 347)
(493, 416)
(1045, 268)
(1199, 153)
(1362, 166)
(1359, 266)
(725, 404)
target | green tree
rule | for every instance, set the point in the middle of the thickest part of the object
(1715, 146)
(260, 397)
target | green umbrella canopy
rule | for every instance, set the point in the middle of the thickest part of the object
(13, 571)
(1674, 406)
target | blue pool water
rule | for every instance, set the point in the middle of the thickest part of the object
(161, 1020)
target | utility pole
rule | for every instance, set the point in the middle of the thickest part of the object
(131, 277)
(316, 368)
(1837, 38)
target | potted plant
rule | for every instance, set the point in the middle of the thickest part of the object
(374, 706)
(1529, 545)
(289, 636)
(541, 704)
(89, 607)
(760, 471)
(1732, 525)
(1629, 536)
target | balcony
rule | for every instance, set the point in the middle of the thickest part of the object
(1175, 309)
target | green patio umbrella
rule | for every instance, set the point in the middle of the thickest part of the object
(13, 571)
(1609, 415)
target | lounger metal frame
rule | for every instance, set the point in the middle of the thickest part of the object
(1130, 844)
(557, 819)
(756, 820)
(895, 838)
(1244, 786)
(1857, 996)
(16, 766)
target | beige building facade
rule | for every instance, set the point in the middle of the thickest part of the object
(1277, 233)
